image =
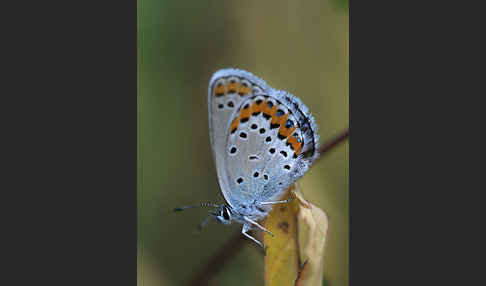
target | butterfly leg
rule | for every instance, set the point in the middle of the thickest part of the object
(244, 231)
(257, 225)
(277, 202)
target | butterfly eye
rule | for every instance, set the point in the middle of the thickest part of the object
(225, 213)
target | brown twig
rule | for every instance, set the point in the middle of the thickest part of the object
(234, 245)
(218, 261)
(336, 140)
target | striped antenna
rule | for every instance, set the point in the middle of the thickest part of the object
(196, 206)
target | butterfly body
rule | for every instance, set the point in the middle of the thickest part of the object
(262, 140)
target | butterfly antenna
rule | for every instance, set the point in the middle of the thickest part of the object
(196, 206)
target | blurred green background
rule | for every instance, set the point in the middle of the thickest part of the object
(298, 46)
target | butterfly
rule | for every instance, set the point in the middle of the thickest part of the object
(262, 141)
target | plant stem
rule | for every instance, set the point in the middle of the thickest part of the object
(215, 264)
(332, 143)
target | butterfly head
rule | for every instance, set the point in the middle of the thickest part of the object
(223, 215)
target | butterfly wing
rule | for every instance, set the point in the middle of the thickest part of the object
(262, 139)
(228, 88)
(271, 141)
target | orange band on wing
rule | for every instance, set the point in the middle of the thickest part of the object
(243, 90)
(278, 119)
(232, 87)
(296, 145)
(284, 131)
(234, 124)
(268, 110)
(219, 90)
(245, 113)
(255, 108)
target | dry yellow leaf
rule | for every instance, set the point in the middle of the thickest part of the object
(295, 254)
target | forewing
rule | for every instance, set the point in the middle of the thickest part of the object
(227, 90)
